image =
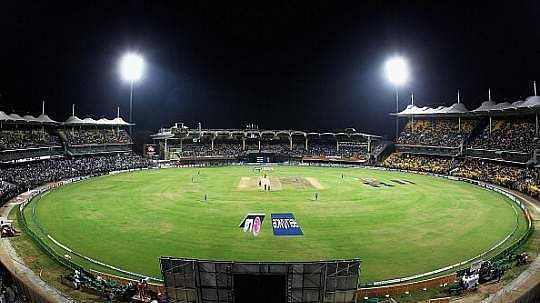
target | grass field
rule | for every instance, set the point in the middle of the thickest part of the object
(398, 229)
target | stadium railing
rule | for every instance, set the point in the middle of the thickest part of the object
(500, 155)
(428, 150)
(29, 154)
(98, 149)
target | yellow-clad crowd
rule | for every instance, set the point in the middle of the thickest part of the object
(521, 178)
(418, 163)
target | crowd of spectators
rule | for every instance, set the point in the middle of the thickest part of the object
(88, 136)
(315, 149)
(9, 291)
(33, 174)
(523, 179)
(204, 149)
(508, 134)
(272, 147)
(352, 149)
(442, 132)
(421, 163)
(7, 191)
(15, 138)
(520, 178)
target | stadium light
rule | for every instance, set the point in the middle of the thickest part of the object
(397, 73)
(131, 69)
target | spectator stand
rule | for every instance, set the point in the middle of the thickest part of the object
(28, 138)
(89, 136)
(181, 143)
(506, 132)
(438, 131)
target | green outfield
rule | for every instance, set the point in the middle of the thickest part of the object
(398, 223)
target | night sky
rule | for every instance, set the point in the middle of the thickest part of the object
(306, 65)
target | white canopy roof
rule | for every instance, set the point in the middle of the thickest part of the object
(89, 120)
(502, 106)
(15, 117)
(532, 101)
(454, 109)
(485, 106)
(531, 104)
(104, 121)
(74, 120)
(42, 119)
(46, 119)
(120, 121)
(4, 116)
(30, 118)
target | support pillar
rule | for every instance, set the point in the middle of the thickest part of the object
(259, 144)
(212, 142)
(459, 124)
(306, 144)
(290, 142)
(490, 125)
(369, 145)
(536, 129)
(243, 143)
(337, 145)
(181, 148)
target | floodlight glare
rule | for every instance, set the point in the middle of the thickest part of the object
(397, 70)
(131, 67)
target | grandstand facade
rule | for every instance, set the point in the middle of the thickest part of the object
(496, 142)
(38, 150)
(184, 144)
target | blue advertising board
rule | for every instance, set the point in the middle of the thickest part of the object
(285, 225)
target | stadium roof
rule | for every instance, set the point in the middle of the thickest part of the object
(42, 119)
(46, 120)
(530, 105)
(74, 120)
(15, 117)
(177, 132)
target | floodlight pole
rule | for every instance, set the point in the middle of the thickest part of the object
(131, 108)
(397, 109)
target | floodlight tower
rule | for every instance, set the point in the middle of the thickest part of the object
(131, 70)
(397, 73)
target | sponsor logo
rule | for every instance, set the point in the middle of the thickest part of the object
(252, 223)
(150, 150)
(285, 225)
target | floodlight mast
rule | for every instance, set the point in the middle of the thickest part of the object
(131, 69)
(131, 108)
(397, 72)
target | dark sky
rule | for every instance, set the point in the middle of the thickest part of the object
(309, 65)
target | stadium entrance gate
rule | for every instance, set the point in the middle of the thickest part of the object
(203, 281)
